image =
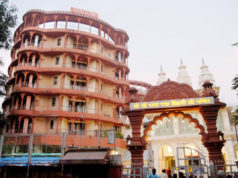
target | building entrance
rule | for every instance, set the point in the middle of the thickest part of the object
(173, 100)
(166, 158)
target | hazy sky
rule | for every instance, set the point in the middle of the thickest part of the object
(163, 31)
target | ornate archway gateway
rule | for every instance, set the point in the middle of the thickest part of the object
(172, 98)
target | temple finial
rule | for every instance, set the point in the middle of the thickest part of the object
(205, 75)
(183, 76)
(162, 76)
(181, 61)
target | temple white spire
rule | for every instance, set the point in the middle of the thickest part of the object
(162, 76)
(205, 75)
(183, 76)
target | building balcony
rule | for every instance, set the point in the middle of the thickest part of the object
(77, 90)
(86, 71)
(66, 112)
(70, 48)
(86, 139)
(75, 32)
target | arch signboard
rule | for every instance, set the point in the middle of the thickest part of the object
(172, 103)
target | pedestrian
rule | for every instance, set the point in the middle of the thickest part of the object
(163, 175)
(153, 175)
(181, 175)
(169, 173)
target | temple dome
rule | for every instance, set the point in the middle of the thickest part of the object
(170, 90)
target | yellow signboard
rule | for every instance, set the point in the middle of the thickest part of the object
(172, 103)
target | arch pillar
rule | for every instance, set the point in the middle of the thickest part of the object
(59, 120)
(13, 126)
(137, 145)
(22, 40)
(99, 30)
(73, 103)
(62, 77)
(30, 81)
(37, 80)
(19, 124)
(25, 125)
(17, 103)
(66, 22)
(33, 59)
(22, 99)
(155, 148)
(86, 107)
(31, 36)
(33, 19)
(211, 140)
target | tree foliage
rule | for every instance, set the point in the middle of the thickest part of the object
(3, 84)
(8, 19)
(235, 87)
(235, 83)
(235, 117)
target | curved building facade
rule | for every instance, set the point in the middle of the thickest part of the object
(68, 74)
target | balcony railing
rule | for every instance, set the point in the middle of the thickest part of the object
(19, 85)
(29, 64)
(81, 47)
(73, 112)
(24, 107)
(15, 143)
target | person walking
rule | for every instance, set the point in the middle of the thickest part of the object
(163, 175)
(153, 175)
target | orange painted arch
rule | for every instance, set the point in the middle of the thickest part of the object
(175, 114)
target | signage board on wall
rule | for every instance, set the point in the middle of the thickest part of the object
(111, 137)
(84, 12)
(172, 103)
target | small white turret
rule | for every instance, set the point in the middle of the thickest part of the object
(205, 75)
(183, 76)
(162, 76)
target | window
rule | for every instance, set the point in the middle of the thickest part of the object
(117, 75)
(55, 80)
(79, 128)
(117, 113)
(117, 129)
(71, 84)
(101, 68)
(69, 127)
(117, 93)
(57, 60)
(101, 87)
(73, 64)
(51, 124)
(53, 101)
(59, 42)
(70, 106)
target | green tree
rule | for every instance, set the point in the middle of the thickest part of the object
(8, 19)
(235, 87)
(235, 83)
(3, 84)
